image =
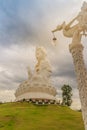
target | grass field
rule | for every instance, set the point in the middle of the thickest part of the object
(26, 116)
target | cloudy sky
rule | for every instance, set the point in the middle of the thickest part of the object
(25, 24)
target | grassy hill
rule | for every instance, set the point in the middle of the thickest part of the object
(26, 116)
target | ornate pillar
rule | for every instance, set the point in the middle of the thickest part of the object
(81, 74)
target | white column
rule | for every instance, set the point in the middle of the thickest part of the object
(81, 74)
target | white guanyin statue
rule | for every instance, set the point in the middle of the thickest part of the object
(43, 66)
(38, 85)
(42, 71)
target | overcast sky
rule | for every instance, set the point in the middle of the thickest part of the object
(25, 24)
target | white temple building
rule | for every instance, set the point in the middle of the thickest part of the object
(38, 87)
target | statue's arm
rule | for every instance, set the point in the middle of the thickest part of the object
(66, 27)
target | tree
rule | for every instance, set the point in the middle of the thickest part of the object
(66, 95)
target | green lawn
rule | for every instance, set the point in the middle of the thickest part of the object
(26, 116)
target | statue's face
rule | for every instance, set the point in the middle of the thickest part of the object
(39, 54)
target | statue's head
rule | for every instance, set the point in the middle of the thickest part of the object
(40, 53)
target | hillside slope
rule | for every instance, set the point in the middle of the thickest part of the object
(26, 116)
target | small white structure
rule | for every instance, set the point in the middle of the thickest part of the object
(38, 87)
